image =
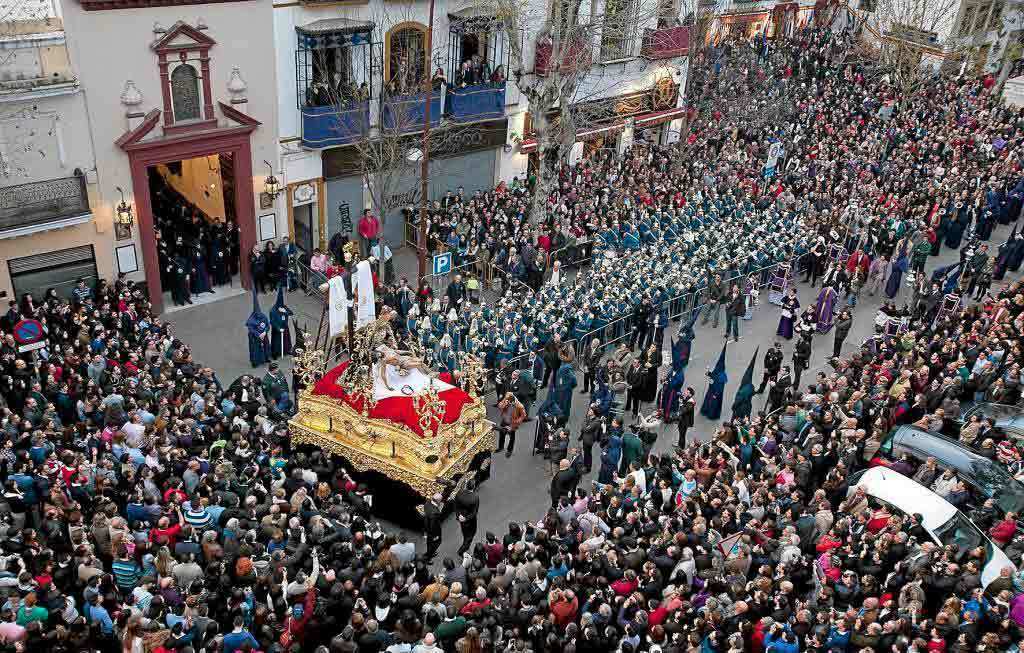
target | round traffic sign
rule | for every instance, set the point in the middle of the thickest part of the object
(27, 332)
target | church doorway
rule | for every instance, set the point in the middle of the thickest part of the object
(195, 226)
(201, 185)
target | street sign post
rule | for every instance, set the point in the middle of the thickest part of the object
(29, 335)
(442, 263)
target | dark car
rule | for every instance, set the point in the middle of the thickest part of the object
(1007, 420)
(985, 477)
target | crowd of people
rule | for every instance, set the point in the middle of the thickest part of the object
(196, 253)
(149, 507)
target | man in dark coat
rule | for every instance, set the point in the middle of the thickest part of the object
(735, 308)
(275, 387)
(524, 387)
(801, 358)
(779, 391)
(456, 292)
(641, 323)
(843, 325)
(467, 505)
(687, 406)
(590, 433)
(433, 519)
(772, 365)
(563, 481)
(551, 359)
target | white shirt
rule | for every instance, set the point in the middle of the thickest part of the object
(133, 434)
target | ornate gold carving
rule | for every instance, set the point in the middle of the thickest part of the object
(430, 408)
(310, 365)
(427, 465)
(473, 372)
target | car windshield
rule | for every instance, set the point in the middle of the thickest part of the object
(993, 411)
(961, 532)
(997, 483)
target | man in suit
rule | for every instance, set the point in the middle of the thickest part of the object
(563, 481)
(433, 517)
(535, 365)
(467, 505)
(687, 406)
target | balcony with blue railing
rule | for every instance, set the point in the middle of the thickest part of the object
(404, 113)
(335, 124)
(477, 102)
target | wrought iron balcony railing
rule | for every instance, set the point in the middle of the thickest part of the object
(41, 202)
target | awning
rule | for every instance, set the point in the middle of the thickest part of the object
(334, 26)
(659, 117)
(643, 120)
(334, 33)
(28, 230)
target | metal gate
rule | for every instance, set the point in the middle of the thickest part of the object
(58, 270)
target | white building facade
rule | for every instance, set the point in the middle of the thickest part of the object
(336, 62)
(50, 230)
(169, 81)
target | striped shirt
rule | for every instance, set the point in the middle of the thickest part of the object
(126, 573)
(198, 518)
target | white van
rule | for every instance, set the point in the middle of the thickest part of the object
(941, 519)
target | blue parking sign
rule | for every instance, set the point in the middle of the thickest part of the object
(443, 263)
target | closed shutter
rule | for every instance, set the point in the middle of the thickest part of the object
(58, 270)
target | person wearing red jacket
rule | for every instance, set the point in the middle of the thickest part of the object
(369, 229)
(1004, 531)
(480, 602)
(563, 605)
(165, 530)
(627, 584)
(827, 543)
(757, 638)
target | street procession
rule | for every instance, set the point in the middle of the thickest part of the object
(277, 319)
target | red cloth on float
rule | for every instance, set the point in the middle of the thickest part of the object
(396, 409)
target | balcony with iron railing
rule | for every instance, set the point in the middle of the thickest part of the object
(476, 102)
(404, 113)
(575, 54)
(335, 124)
(43, 202)
(665, 43)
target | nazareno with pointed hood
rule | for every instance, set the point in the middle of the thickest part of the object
(742, 404)
(712, 405)
(280, 329)
(258, 327)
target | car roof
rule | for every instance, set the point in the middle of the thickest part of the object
(952, 454)
(908, 495)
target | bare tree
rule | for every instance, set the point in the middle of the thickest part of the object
(903, 39)
(386, 131)
(563, 85)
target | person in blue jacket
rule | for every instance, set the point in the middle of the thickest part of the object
(781, 640)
